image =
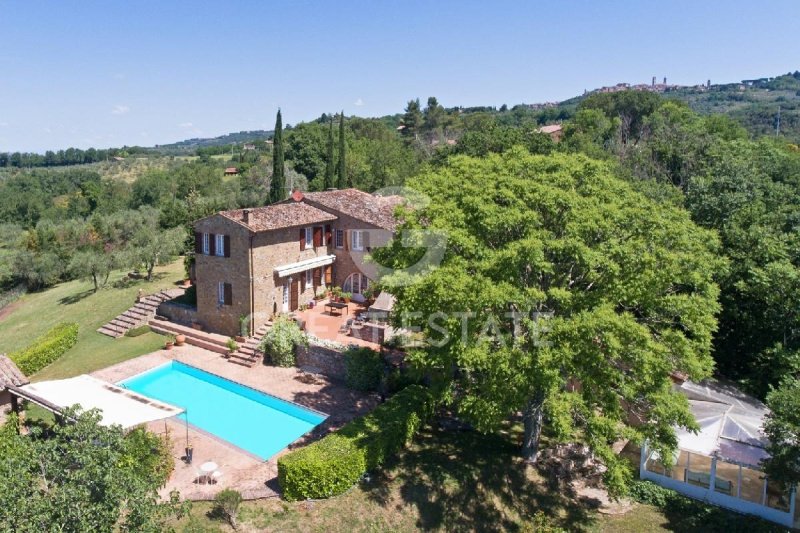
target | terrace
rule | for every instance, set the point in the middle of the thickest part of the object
(344, 325)
(253, 477)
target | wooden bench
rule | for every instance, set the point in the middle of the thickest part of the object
(704, 480)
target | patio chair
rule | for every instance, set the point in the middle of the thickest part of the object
(215, 477)
(345, 328)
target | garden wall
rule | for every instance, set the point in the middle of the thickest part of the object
(178, 313)
(326, 357)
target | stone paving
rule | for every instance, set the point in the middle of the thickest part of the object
(251, 476)
(324, 325)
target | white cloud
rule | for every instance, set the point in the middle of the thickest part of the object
(359, 102)
(120, 110)
(185, 125)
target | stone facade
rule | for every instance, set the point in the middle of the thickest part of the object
(211, 270)
(248, 269)
(276, 248)
(348, 260)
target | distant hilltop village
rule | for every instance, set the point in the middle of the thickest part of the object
(652, 87)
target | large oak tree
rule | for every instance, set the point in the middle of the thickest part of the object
(563, 295)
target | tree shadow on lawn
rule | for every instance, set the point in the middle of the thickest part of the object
(127, 281)
(75, 298)
(469, 481)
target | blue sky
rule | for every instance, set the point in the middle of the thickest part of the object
(145, 72)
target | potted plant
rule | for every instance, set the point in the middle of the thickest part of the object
(336, 293)
(347, 296)
(232, 346)
(169, 343)
(369, 294)
(244, 328)
(180, 339)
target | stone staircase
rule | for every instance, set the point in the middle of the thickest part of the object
(202, 339)
(248, 353)
(140, 314)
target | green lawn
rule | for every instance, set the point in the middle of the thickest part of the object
(75, 301)
(447, 481)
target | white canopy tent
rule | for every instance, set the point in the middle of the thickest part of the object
(730, 423)
(117, 405)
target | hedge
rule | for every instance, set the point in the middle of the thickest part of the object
(364, 368)
(332, 465)
(47, 348)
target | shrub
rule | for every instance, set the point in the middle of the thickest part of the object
(280, 341)
(149, 455)
(189, 297)
(47, 348)
(330, 466)
(364, 368)
(400, 378)
(694, 515)
(135, 332)
(323, 469)
(227, 504)
(231, 344)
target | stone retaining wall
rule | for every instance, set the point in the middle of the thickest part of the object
(182, 314)
(327, 359)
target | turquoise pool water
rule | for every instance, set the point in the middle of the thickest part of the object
(256, 422)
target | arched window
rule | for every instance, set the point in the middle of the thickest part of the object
(356, 284)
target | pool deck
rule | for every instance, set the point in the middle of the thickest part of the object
(253, 477)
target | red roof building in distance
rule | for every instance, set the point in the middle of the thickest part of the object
(231, 171)
(555, 131)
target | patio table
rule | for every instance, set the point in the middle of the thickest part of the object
(208, 468)
(337, 305)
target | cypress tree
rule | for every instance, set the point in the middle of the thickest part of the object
(330, 178)
(278, 181)
(343, 183)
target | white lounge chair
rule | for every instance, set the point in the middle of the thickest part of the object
(215, 477)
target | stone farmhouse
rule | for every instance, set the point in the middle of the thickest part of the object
(262, 261)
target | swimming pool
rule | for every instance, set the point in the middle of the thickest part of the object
(256, 422)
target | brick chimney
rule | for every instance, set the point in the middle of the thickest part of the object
(246, 216)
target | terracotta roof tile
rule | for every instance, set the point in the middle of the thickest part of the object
(376, 210)
(10, 374)
(277, 216)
